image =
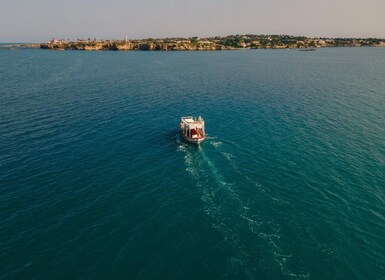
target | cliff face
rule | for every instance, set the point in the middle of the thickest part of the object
(130, 46)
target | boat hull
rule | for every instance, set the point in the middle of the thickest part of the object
(196, 141)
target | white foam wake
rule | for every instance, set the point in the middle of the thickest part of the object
(211, 181)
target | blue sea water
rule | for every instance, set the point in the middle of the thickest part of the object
(95, 182)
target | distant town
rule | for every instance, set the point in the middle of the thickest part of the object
(231, 42)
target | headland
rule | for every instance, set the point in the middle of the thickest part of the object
(231, 42)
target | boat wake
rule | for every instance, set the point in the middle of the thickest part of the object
(224, 204)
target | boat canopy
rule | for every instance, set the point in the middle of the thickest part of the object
(192, 123)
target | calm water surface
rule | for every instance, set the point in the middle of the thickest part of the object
(95, 182)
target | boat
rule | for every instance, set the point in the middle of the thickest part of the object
(193, 129)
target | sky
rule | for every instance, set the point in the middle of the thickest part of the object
(41, 20)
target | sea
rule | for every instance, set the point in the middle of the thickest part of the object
(97, 183)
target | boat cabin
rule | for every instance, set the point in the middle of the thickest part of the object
(193, 129)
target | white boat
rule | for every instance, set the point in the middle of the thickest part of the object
(193, 129)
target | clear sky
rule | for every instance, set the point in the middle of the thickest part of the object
(40, 20)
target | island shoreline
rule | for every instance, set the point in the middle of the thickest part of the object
(231, 42)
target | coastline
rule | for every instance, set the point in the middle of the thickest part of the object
(231, 42)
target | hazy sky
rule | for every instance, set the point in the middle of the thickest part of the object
(40, 20)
